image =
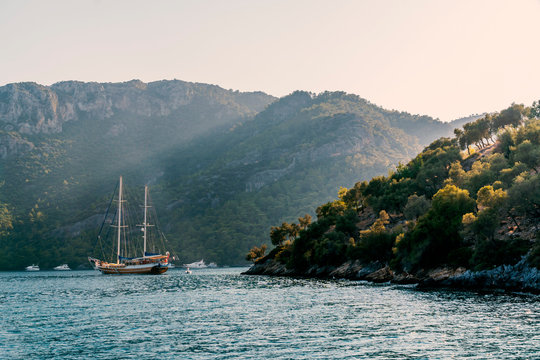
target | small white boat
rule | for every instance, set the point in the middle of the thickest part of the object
(196, 265)
(32, 268)
(188, 271)
(63, 267)
(212, 265)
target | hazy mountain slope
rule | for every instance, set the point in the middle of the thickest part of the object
(227, 192)
(54, 139)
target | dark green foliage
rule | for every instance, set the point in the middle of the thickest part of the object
(511, 116)
(277, 235)
(531, 132)
(535, 109)
(524, 196)
(330, 249)
(486, 223)
(331, 210)
(416, 206)
(506, 142)
(437, 232)
(354, 198)
(346, 224)
(528, 154)
(374, 246)
(492, 253)
(435, 169)
(423, 175)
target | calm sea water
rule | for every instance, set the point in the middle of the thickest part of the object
(220, 314)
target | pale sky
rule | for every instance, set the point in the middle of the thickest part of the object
(446, 59)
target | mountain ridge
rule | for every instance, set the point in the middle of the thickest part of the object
(215, 160)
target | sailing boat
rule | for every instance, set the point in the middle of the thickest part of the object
(148, 263)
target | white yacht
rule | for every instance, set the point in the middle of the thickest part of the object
(196, 265)
(32, 268)
(63, 267)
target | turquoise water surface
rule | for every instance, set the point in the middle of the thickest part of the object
(221, 314)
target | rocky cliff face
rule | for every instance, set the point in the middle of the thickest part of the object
(30, 108)
(11, 144)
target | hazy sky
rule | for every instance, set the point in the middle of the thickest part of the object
(446, 59)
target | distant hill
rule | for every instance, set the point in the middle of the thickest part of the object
(457, 123)
(223, 165)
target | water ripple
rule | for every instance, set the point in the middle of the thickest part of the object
(220, 314)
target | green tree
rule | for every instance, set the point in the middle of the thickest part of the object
(277, 235)
(416, 206)
(331, 210)
(435, 238)
(354, 197)
(490, 203)
(375, 243)
(511, 116)
(524, 196)
(456, 174)
(528, 154)
(488, 197)
(462, 140)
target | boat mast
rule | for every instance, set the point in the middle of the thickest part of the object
(144, 222)
(119, 218)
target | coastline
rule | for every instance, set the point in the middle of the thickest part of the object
(519, 277)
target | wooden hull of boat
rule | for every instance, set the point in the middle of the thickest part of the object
(133, 270)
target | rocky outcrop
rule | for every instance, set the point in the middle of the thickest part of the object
(260, 179)
(519, 277)
(30, 108)
(270, 267)
(11, 144)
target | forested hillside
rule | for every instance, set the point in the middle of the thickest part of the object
(222, 165)
(228, 190)
(63, 147)
(467, 202)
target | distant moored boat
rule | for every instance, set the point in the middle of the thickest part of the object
(196, 265)
(63, 267)
(32, 268)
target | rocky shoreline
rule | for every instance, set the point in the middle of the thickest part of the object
(518, 277)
